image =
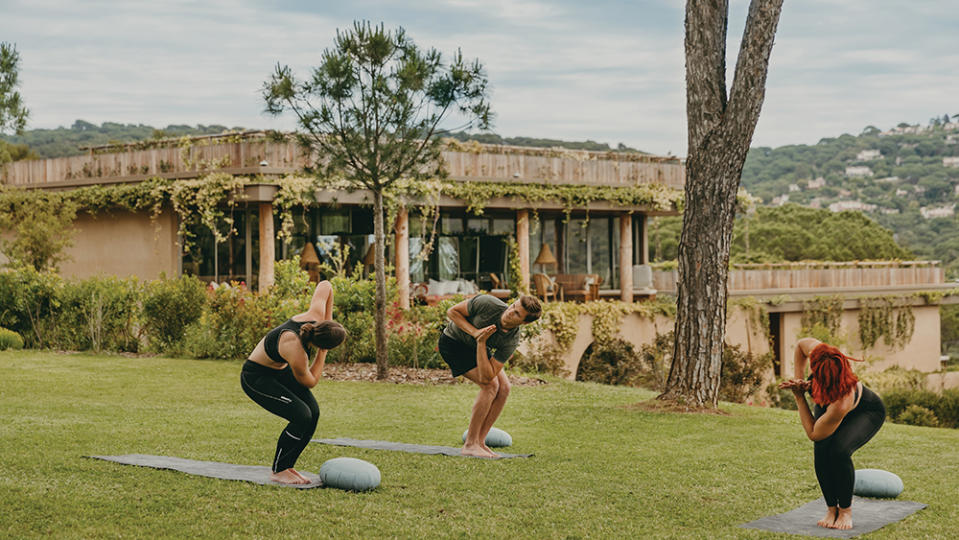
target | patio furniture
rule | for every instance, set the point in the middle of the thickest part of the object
(582, 287)
(547, 287)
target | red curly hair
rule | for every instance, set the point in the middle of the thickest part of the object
(832, 376)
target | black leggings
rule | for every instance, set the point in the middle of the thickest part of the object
(277, 391)
(833, 455)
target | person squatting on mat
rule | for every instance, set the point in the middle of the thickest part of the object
(847, 415)
(278, 377)
(481, 336)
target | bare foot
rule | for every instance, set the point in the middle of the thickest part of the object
(491, 453)
(297, 473)
(843, 519)
(475, 451)
(288, 477)
(829, 519)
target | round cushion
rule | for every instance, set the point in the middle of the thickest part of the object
(877, 483)
(496, 438)
(350, 473)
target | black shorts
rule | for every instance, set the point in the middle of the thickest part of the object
(459, 356)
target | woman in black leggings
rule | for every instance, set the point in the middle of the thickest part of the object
(847, 415)
(278, 376)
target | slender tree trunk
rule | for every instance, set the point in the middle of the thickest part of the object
(382, 360)
(720, 131)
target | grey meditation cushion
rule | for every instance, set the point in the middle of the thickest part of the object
(496, 438)
(877, 483)
(350, 474)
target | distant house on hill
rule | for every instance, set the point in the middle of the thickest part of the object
(868, 155)
(780, 200)
(888, 180)
(817, 183)
(858, 171)
(794, 188)
(950, 162)
(842, 206)
(902, 193)
(944, 211)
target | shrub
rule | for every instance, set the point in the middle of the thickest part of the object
(894, 378)
(614, 362)
(98, 313)
(10, 340)
(742, 373)
(236, 321)
(27, 299)
(915, 415)
(169, 307)
(945, 407)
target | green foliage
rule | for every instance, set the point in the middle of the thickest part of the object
(821, 318)
(916, 415)
(98, 313)
(41, 225)
(889, 317)
(893, 379)
(613, 362)
(795, 233)
(64, 142)
(742, 373)
(354, 307)
(944, 407)
(169, 307)
(492, 138)
(27, 299)
(231, 327)
(10, 340)
(13, 114)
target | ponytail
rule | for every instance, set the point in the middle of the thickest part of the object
(323, 334)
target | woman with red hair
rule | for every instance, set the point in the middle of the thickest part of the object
(846, 415)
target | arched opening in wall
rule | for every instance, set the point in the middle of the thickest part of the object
(584, 370)
(775, 338)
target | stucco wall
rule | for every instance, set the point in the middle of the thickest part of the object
(123, 244)
(921, 353)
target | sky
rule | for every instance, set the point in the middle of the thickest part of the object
(609, 71)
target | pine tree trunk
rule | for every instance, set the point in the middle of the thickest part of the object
(720, 132)
(382, 360)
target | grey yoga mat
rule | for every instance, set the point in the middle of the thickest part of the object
(404, 447)
(867, 516)
(211, 469)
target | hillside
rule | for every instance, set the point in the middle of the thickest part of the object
(905, 178)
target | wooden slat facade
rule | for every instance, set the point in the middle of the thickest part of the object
(866, 275)
(478, 163)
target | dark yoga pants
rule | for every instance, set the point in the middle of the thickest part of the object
(833, 455)
(277, 391)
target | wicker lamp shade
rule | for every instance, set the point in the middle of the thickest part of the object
(308, 255)
(545, 256)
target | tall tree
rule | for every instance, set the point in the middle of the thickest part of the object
(720, 130)
(372, 111)
(13, 115)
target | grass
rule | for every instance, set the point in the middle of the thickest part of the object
(601, 469)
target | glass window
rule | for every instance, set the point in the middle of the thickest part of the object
(452, 224)
(448, 255)
(577, 252)
(503, 226)
(601, 249)
(361, 220)
(477, 225)
(335, 222)
(417, 264)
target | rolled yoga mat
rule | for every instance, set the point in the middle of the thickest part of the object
(211, 469)
(867, 516)
(404, 447)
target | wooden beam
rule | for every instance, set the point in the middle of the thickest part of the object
(402, 244)
(626, 257)
(267, 246)
(522, 242)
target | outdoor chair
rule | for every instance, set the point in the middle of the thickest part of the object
(547, 287)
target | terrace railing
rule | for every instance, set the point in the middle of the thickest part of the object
(821, 275)
(253, 153)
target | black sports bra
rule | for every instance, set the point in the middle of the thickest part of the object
(271, 344)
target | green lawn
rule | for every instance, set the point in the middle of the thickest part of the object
(601, 470)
